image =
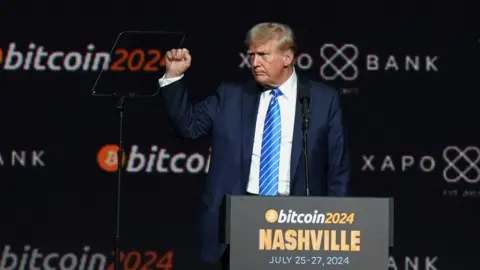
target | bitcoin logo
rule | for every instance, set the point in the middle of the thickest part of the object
(271, 216)
(107, 158)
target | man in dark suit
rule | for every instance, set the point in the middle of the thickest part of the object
(256, 130)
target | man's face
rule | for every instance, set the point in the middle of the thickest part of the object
(267, 62)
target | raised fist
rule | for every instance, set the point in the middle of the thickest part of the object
(177, 62)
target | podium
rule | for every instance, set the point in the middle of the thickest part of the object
(292, 232)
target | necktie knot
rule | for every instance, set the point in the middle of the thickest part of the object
(276, 92)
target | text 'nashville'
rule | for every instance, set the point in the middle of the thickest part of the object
(327, 240)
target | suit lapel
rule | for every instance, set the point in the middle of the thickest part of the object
(249, 110)
(297, 143)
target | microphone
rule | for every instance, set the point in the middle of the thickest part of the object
(305, 101)
(304, 97)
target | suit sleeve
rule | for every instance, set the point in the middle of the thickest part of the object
(338, 153)
(189, 120)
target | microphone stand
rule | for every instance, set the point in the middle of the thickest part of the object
(120, 155)
(306, 114)
(305, 156)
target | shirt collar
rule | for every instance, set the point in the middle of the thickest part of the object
(289, 86)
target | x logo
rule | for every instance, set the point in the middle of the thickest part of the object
(330, 52)
(367, 165)
(245, 61)
(470, 156)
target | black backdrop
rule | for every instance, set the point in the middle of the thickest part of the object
(417, 128)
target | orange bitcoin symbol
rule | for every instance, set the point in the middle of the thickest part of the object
(107, 158)
(271, 216)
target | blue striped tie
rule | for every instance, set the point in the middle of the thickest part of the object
(270, 155)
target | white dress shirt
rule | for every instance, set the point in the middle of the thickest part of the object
(166, 81)
(287, 103)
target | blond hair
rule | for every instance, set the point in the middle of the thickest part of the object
(264, 32)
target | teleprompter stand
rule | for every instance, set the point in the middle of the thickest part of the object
(121, 98)
(121, 153)
(139, 46)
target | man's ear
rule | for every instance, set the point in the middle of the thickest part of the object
(288, 58)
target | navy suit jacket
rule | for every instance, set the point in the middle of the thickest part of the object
(229, 117)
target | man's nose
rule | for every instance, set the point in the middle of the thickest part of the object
(254, 61)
